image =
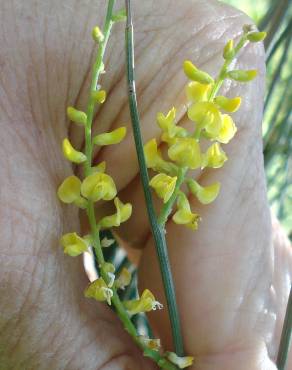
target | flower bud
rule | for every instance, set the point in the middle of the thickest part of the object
(76, 116)
(119, 16)
(163, 185)
(124, 279)
(99, 291)
(181, 362)
(230, 105)
(186, 153)
(98, 96)
(97, 35)
(256, 36)
(100, 167)
(228, 51)
(110, 138)
(242, 76)
(73, 244)
(195, 74)
(98, 186)
(72, 154)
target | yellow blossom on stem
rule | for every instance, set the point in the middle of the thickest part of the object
(214, 157)
(72, 154)
(73, 244)
(76, 116)
(205, 194)
(230, 105)
(196, 91)
(207, 116)
(69, 192)
(98, 96)
(99, 291)
(110, 138)
(122, 214)
(97, 35)
(256, 36)
(109, 269)
(195, 74)
(154, 159)
(184, 215)
(123, 279)
(163, 185)
(145, 303)
(168, 126)
(98, 186)
(186, 152)
(181, 362)
(228, 51)
(227, 130)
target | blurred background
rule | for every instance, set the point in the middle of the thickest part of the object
(275, 17)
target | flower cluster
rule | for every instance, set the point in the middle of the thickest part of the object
(210, 115)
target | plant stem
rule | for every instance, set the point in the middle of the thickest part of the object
(157, 230)
(286, 336)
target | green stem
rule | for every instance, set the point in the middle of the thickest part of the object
(224, 69)
(157, 230)
(286, 336)
(167, 208)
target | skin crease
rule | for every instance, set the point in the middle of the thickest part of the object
(232, 275)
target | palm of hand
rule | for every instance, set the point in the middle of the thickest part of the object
(231, 281)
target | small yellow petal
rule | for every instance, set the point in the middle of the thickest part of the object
(228, 51)
(215, 157)
(109, 138)
(205, 194)
(69, 190)
(164, 122)
(98, 186)
(145, 303)
(207, 116)
(122, 214)
(163, 185)
(76, 116)
(184, 215)
(72, 154)
(123, 279)
(195, 74)
(181, 362)
(242, 76)
(100, 167)
(99, 291)
(98, 96)
(227, 130)
(186, 153)
(230, 105)
(73, 244)
(197, 92)
(97, 35)
(154, 159)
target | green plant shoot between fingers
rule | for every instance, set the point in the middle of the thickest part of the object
(184, 153)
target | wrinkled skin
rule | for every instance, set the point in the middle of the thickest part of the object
(232, 276)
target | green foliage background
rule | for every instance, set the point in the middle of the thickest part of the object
(275, 17)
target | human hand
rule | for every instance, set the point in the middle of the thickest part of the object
(223, 272)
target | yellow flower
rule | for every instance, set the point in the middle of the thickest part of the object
(97, 35)
(228, 52)
(109, 138)
(123, 213)
(98, 186)
(72, 154)
(109, 269)
(256, 36)
(69, 192)
(228, 129)
(163, 185)
(214, 157)
(99, 291)
(98, 96)
(73, 244)
(181, 362)
(168, 126)
(186, 152)
(124, 279)
(195, 74)
(207, 116)
(153, 344)
(230, 105)
(205, 194)
(145, 303)
(76, 116)
(184, 215)
(154, 159)
(197, 92)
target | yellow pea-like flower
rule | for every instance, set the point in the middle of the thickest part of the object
(256, 36)
(215, 157)
(73, 244)
(154, 158)
(123, 279)
(227, 130)
(97, 35)
(184, 215)
(153, 344)
(242, 76)
(206, 194)
(196, 91)
(98, 186)
(230, 105)
(98, 96)
(72, 154)
(76, 116)
(195, 74)
(145, 303)
(181, 362)
(122, 214)
(207, 116)
(163, 185)
(186, 153)
(170, 131)
(69, 190)
(228, 51)
(99, 291)
(109, 138)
